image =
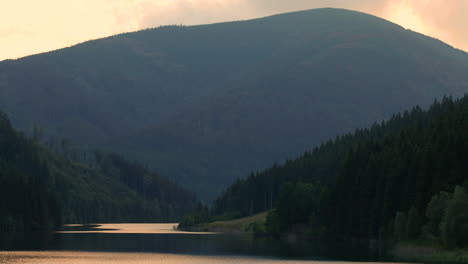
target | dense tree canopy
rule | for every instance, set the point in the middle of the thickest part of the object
(386, 181)
(40, 189)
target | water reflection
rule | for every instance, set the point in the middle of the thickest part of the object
(166, 228)
(162, 240)
(54, 257)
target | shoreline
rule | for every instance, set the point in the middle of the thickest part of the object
(426, 253)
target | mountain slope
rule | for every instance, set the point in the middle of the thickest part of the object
(41, 190)
(385, 182)
(207, 104)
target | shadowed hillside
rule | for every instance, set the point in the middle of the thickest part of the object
(402, 180)
(41, 190)
(207, 104)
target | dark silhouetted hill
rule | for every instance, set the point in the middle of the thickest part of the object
(207, 104)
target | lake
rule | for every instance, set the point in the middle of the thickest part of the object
(161, 243)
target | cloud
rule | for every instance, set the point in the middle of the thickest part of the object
(189, 12)
(50, 24)
(444, 19)
(141, 14)
(8, 32)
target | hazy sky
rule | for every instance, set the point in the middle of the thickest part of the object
(33, 26)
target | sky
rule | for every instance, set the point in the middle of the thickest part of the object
(32, 26)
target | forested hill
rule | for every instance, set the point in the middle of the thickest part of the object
(405, 179)
(41, 190)
(207, 104)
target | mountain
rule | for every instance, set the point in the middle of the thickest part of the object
(207, 104)
(403, 179)
(40, 189)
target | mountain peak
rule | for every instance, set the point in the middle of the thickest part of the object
(232, 97)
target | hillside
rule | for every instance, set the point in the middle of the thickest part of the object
(41, 190)
(404, 179)
(207, 104)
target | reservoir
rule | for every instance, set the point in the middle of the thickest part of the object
(162, 243)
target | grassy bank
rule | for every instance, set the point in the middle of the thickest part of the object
(428, 253)
(238, 226)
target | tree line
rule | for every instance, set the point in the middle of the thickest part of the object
(405, 178)
(42, 188)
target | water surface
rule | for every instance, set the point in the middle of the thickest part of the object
(161, 243)
(166, 228)
(66, 257)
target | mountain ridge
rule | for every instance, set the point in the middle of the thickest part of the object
(207, 104)
(43, 188)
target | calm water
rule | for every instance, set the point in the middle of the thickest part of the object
(160, 243)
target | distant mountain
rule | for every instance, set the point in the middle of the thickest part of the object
(40, 189)
(207, 104)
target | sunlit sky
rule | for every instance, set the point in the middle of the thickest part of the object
(34, 26)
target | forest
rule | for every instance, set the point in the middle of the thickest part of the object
(42, 188)
(204, 105)
(402, 179)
